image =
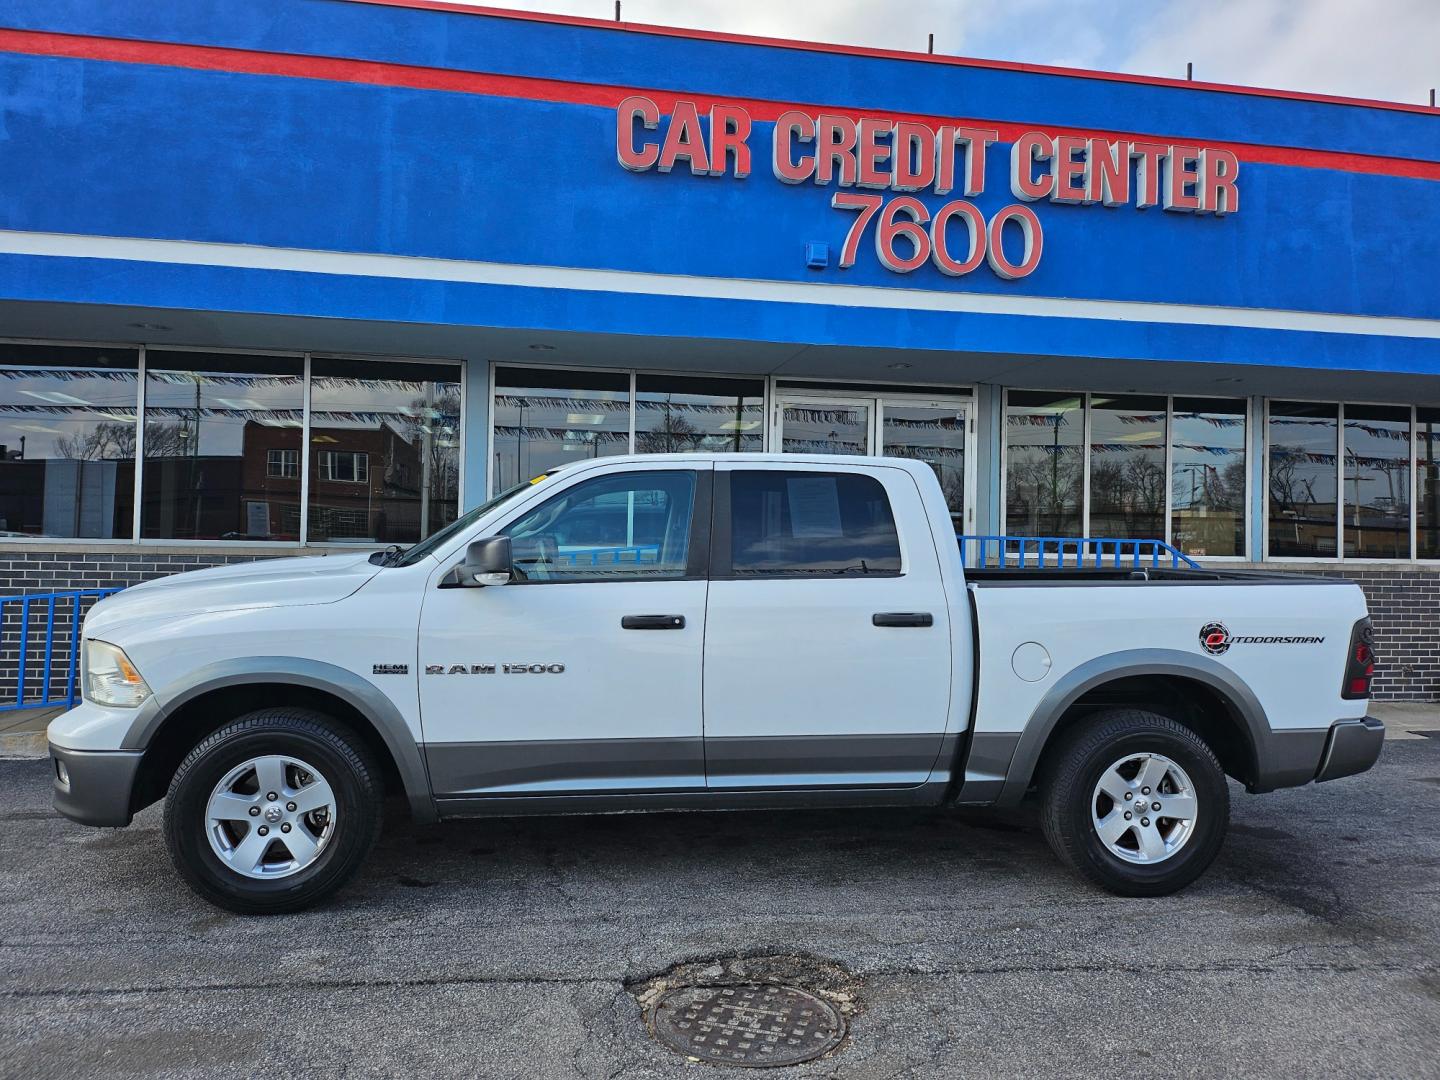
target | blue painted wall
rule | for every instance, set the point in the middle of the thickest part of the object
(120, 149)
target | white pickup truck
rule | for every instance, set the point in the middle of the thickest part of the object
(703, 632)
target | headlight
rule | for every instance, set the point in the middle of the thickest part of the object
(110, 677)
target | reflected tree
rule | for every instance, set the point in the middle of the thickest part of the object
(114, 440)
(674, 435)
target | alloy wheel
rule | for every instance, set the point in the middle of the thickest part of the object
(270, 817)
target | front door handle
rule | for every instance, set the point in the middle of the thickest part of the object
(652, 622)
(903, 618)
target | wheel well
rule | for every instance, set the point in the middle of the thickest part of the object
(1197, 705)
(188, 725)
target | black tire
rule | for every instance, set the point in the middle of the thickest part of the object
(334, 751)
(1068, 786)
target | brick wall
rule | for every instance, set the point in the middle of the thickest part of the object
(46, 571)
(1404, 603)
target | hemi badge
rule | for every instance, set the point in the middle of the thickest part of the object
(390, 669)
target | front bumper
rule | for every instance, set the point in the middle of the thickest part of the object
(94, 787)
(1353, 746)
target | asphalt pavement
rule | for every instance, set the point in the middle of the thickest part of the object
(518, 948)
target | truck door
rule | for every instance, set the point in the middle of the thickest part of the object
(584, 677)
(827, 648)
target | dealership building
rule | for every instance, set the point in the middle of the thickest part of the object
(307, 274)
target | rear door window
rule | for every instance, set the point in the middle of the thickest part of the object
(797, 523)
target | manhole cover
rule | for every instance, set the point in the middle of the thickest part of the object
(752, 1025)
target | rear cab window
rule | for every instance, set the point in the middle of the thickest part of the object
(803, 523)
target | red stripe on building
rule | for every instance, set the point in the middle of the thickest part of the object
(375, 73)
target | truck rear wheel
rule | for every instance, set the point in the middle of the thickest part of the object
(1135, 802)
(273, 812)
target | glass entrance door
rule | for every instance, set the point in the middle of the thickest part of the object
(825, 425)
(934, 432)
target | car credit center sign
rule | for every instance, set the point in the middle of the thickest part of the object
(881, 155)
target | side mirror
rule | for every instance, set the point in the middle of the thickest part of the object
(487, 562)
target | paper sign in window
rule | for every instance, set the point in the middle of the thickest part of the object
(814, 507)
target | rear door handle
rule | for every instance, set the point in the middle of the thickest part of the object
(652, 622)
(903, 618)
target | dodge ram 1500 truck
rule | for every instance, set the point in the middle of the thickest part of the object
(703, 632)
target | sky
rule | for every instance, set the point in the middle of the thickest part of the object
(1386, 49)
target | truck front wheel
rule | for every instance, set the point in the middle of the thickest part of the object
(1135, 802)
(273, 812)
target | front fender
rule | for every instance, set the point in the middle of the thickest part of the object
(349, 687)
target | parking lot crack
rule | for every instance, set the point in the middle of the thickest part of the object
(317, 984)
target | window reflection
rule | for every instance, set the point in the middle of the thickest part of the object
(67, 441)
(218, 429)
(1044, 459)
(384, 450)
(676, 414)
(824, 427)
(1303, 440)
(545, 418)
(1127, 467)
(1377, 482)
(933, 434)
(1427, 483)
(1207, 476)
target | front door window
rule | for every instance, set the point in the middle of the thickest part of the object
(628, 525)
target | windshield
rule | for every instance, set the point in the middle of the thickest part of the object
(421, 550)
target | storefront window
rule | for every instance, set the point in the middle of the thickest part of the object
(67, 441)
(934, 434)
(545, 418)
(678, 414)
(1427, 483)
(384, 450)
(1044, 463)
(1303, 440)
(1376, 523)
(1127, 467)
(821, 425)
(1207, 476)
(218, 429)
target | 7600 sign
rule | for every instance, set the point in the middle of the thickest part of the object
(873, 154)
(907, 236)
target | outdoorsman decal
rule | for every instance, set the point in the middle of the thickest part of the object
(909, 156)
(1215, 639)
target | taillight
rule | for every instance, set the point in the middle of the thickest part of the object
(1360, 665)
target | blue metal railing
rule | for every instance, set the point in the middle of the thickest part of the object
(1041, 552)
(609, 556)
(30, 621)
